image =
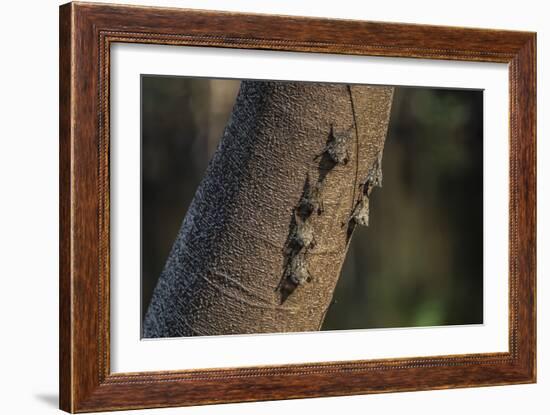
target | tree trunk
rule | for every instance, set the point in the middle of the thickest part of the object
(262, 245)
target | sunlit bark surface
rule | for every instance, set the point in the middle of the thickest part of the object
(261, 247)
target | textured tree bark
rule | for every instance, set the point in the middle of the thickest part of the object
(262, 245)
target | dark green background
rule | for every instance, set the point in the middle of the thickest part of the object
(419, 263)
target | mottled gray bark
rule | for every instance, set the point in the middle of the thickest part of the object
(261, 247)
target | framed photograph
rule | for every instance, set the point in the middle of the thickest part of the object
(258, 207)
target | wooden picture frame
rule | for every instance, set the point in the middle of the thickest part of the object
(86, 33)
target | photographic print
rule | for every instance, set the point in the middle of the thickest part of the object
(285, 206)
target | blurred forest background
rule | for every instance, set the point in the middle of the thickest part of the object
(420, 261)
